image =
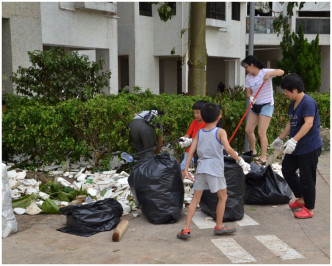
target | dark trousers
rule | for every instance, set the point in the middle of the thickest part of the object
(303, 185)
(143, 137)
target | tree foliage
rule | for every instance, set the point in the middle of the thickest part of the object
(165, 12)
(299, 56)
(303, 58)
(56, 75)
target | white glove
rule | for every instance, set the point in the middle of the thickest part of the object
(277, 144)
(245, 166)
(185, 142)
(252, 99)
(290, 146)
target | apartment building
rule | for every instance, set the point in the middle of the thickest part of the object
(314, 17)
(88, 27)
(153, 54)
(141, 50)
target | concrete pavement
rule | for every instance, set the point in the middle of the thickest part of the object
(266, 235)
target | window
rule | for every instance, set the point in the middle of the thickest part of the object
(314, 14)
(314, 22)
(145, 9)
(236, 11)
(173, 6)
(313, 26)
(216, 10)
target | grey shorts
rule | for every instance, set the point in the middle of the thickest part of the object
(206, 181)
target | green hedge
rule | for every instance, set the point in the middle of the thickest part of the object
(98, 127)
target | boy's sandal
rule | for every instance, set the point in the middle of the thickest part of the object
(295, 205)
(223, 230)
(303, 214)
(184, 234)
(260, 162)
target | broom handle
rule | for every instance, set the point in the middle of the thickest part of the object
(230, 139)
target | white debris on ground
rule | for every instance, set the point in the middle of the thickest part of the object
(115, 184)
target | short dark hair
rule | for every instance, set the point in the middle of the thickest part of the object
(210, 112)
(198, 105)
(292, 81)
(250, 59)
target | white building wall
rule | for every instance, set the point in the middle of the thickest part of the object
(146, 64)
(225, 40)
(126, 37)
(64, 25)
(21, 33)
(167, 35)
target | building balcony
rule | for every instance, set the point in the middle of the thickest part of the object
(264, 25)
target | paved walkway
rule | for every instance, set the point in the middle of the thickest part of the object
(266, 235)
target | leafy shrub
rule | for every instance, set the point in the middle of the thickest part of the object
(98, 127)
(56, 75)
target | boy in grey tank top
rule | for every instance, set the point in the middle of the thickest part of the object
(210, 142)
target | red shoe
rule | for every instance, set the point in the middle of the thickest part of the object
(184, 234)
(295, 205)
(303, 214)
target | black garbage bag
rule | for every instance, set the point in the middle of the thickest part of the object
(235, 179)
(157, 184)
(264, 186)
(92, 218)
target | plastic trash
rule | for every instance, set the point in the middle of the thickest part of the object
(264, 186)
(127, 157)
(156, 183)
(9, 223)
(92, 218)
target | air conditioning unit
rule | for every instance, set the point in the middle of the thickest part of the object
(97, 7)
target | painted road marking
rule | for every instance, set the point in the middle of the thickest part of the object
(203, 221)
(246, 220)
(232, 250)
(278, 247)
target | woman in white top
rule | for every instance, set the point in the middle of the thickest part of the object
(263, 106)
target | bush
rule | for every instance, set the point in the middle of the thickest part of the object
(98, 127)
(94, 128)
(56, 76)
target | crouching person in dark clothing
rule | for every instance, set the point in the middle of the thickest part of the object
(143, 133)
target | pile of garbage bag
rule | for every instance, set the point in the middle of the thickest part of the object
(92, 218)
(265, 186)
(156, 182)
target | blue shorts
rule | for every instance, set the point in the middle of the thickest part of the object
(266, 110)
(183, 164)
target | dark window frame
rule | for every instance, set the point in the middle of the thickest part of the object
(216, 10)
(173, 6)
(145, 9)
(314, 14)
(236, 11)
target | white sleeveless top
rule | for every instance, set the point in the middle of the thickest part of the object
(210, 153)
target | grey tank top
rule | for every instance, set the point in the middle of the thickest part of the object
(210, 153)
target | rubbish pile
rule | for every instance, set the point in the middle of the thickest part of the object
(72, 184)
(75, 179)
